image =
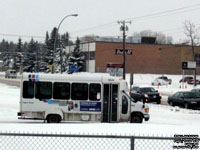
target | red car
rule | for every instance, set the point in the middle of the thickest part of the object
(189, 80)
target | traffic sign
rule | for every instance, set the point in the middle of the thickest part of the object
(120, 51)
(73, 68)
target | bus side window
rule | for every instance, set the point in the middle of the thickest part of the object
(61, 90)
(28, 89)
(43, 90)
(79, 91)
(95, 91)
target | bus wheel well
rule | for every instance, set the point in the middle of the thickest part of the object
(136, 117)
(53, 118)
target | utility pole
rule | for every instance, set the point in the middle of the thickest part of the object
(124, 28)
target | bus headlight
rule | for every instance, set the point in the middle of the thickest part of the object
(146, 110)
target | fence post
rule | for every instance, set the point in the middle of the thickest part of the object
(132, 142)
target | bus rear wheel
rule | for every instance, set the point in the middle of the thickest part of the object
(53, 119)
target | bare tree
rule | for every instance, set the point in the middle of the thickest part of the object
(191, 31)
(88, 38)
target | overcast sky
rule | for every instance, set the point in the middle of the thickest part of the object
(35, 17)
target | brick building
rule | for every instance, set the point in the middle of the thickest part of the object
(145, 58)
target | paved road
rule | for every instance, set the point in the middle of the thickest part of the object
(164, 100)
(13, 82)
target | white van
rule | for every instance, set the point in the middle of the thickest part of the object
(78, 97)
(11, 74)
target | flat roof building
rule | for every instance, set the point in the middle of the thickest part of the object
(145, 58)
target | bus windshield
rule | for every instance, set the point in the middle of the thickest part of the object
(129, 97)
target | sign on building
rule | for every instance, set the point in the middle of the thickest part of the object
(120, 51)
(115, 69)
(189, 65)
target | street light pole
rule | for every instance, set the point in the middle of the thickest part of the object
(124, 54)
(54, 48)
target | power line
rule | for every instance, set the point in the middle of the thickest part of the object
(163, 13)
(26, 36)
(143, 17)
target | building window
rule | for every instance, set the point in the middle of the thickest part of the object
(28, 89)
(79, 91)
(197, 59)
(86, 55)
(92, 55)
(61, 90)
(95, 91)
(43, 90)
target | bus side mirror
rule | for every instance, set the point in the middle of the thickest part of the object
(144, 100)
(134, 100)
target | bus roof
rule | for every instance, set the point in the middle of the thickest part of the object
(70, 77)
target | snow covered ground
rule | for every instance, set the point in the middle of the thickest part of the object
(164, 121)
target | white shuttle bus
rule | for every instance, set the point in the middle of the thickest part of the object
(78, 97)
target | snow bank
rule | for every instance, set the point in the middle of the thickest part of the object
(164, 120)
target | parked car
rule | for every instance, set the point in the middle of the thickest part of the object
(185, 99)
(195, 90)
(163, 80)
(11, 74)
(137, 95)
(189, 80)
(148, 94)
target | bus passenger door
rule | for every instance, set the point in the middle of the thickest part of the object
(110, 101)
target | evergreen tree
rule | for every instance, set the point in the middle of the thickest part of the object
(47, 39)
(65, 66)
(48, 54)
(43, 56)
(6, 59)
(65, 39)
(30, 61)
(18, 60)
(4, 55)
(76, 58)
(7, 50)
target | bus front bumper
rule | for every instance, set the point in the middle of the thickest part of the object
(19, 114)
(146, 117)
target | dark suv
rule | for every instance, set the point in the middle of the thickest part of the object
(147, 93)
(137, 95)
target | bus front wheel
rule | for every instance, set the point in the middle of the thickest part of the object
(136, 119)
(53, 118)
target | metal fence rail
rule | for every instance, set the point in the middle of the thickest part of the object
(27, 141)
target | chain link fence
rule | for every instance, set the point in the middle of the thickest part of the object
(24, 141)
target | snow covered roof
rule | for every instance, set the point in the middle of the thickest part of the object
(71, 77)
